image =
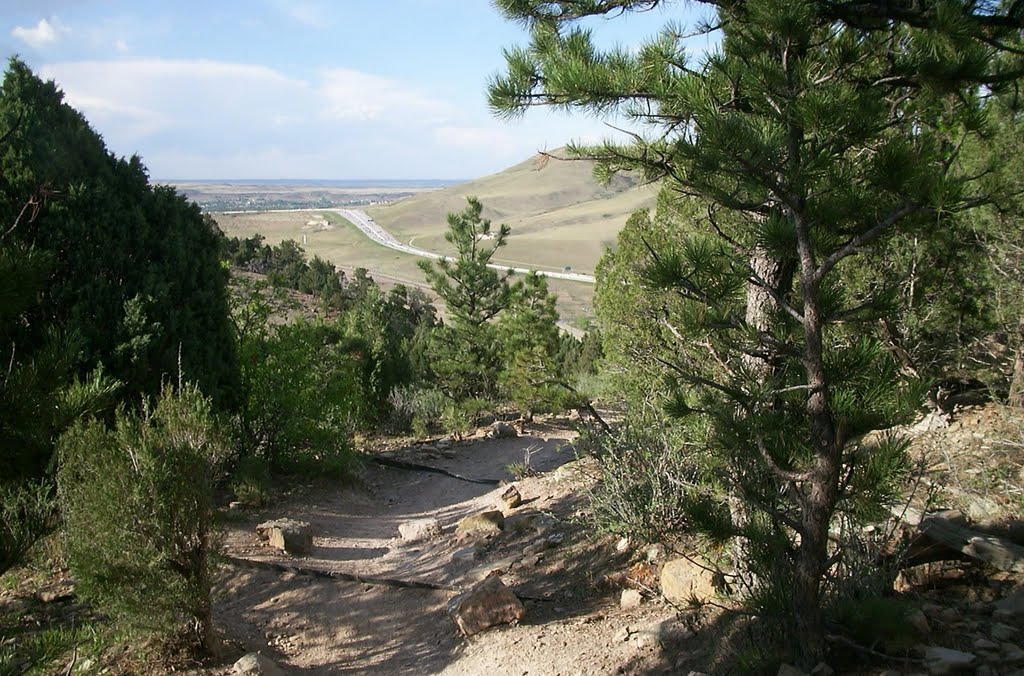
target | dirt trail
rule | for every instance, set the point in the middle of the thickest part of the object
(325, 626)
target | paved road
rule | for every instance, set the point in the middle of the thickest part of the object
(364, 222)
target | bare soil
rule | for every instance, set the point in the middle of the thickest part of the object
(309, 624)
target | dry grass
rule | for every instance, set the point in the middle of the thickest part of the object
(559, 215)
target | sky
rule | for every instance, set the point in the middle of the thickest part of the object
(298, 89)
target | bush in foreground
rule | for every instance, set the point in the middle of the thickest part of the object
(138, 504)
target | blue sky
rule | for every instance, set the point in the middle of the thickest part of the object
(324, 89)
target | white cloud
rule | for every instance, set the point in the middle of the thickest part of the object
(121, 46)
(354, 95)
(42, 34)
(209, 119)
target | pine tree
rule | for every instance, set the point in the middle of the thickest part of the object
(816, 132)
(464, 351)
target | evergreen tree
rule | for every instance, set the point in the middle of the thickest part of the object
(816, 132)
(464, 351)
(135, 272)
(532, 376)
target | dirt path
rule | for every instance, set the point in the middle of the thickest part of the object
(324, 626)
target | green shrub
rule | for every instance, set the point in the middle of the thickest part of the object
(416, 409)
(250, 481)
(26, 513)
(138, 505)
(305, 386)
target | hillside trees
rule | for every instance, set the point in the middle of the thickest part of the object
(815, 133)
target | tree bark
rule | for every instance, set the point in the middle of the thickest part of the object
(1017, 384)
(822, 488)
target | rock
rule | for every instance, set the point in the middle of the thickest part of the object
(532, 560)
(485, 605)
(501, 430)
(822, 669)
(255, 664)
(486, 570)
(536, 547)
(790, 670)
(630, 599)
(939, 661)
(891, 672)
(654, 552)
(483, 523)
(58, 592)
(288, 535)
(470, 553)
(980, 508)
(665, 631)
(420, 529)
(984, 644)
(523, 523)
(511, 498)
(1002, 632)
(622, 545)
(1012, 605)
(485, 419)
(1012, 653)
(919, 622)
(683, 581)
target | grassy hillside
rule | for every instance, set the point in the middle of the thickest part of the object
(559, 215)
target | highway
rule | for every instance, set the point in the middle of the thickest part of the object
(364, 222)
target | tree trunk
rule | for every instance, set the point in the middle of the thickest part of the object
(761, 313)
(1017, 384)
(822, 487)
(761, 306)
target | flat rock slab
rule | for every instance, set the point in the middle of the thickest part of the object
(485, 605)
(288, 535)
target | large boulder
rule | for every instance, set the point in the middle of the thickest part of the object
(485, 605)
(420, 529)
(481, 524)
(288, 535)
(501, 430)
(683, 581)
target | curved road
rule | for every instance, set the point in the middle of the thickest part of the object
(365, 222)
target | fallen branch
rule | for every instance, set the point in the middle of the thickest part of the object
(416, 467)
(361, 579)
(938, 537)
(338, 575)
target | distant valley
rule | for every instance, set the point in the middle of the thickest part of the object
(561, 219)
